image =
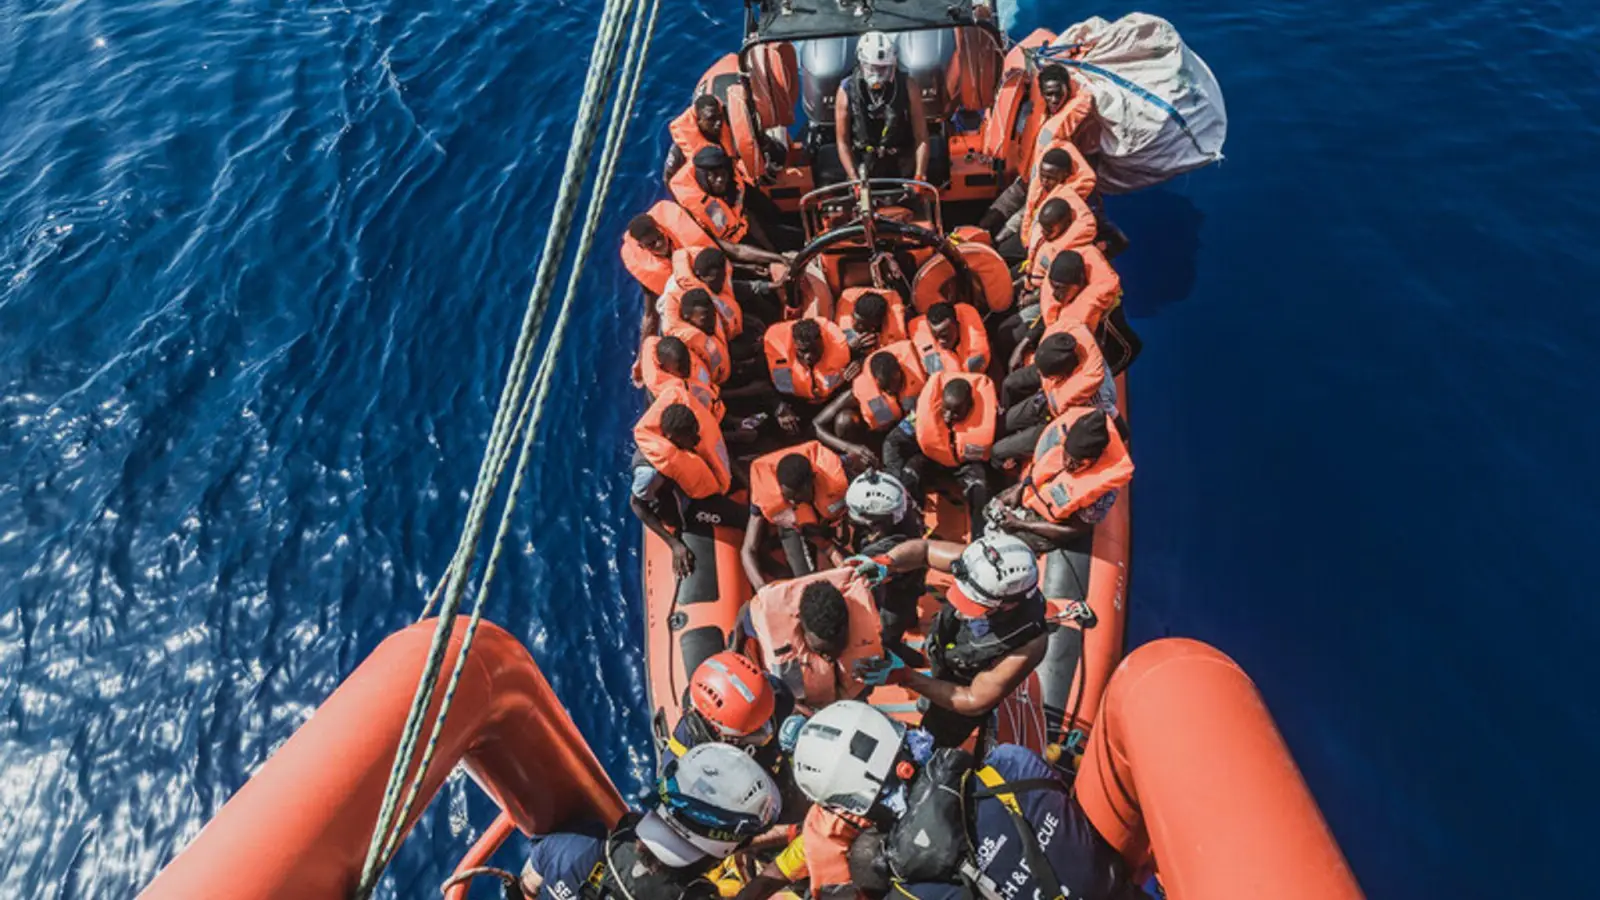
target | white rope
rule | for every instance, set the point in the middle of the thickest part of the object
(528, 404)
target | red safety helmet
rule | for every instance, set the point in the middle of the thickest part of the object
(731, 692)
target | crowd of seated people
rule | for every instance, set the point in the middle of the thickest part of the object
(823, 438)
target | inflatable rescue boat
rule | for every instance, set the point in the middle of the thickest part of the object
(1178, 763)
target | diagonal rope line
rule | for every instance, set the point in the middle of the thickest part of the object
(633, 67)
(515, 396)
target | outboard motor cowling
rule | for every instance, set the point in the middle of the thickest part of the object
(925, 55)
(824, 63)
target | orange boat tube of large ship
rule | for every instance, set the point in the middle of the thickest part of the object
(300, 827)
(1186, 771)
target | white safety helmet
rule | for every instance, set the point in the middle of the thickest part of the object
(994, 570)
(713, 798)
(876, 498)
(845, 755)
(875, 53)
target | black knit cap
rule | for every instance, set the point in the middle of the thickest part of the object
(1089, 436)
(710, 158)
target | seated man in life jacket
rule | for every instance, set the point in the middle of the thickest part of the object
(808, 360)
(879, 121)
(1056, 231)
(951, 338)
(882, 518)
(1068, 370)
(877, 401)
(1079, 464)
(703, 124)
(705, 269)
(1025, 836)
(652, 238)
(1067, 117)
(711, 801)
(986, 639)
(681, 473)
(951, 430)
(723, 201)
(800, 492)
(870, 319)
(1004, 219)
(812, 631)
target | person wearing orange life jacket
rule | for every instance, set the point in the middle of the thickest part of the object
(1081, 286)
(1067, 115)
(651, 239)
(1079, 465)
(667, 362)
(1068, 370)
(812, 631)
(952, 429)
(878, 399)
(707, 269)
(870, 319)
(1062, 172)
(1010, 218)
(681, 472)
(800, 492)
(1060, 226)
(723, 200)
(951, 338)
(808, 361)
(695, 322)
(703, 124)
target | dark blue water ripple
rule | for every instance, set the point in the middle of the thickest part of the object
(259, 264)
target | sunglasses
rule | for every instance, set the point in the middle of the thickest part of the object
(702, 818)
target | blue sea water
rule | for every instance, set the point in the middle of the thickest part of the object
(259, 266)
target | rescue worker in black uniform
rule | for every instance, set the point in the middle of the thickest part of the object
(880, 125)
(989, 636)
(1027, 836)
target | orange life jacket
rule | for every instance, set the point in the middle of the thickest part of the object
(827, 503)
(729, 313)
(711, 348)
(700, 473)
(1083, 227)
(1044, 132)
(817, 682)
(972, 348)
(722, 218)
(686, 135)
(971, 439)
(1100, 294)
(894, 324)
(792, 378)
(1056, 494)
(826, 837)
(651, 270)
(880, 410)
(699, 383)
(1081, 232)
(1078, 387)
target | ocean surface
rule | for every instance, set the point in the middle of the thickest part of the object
(260, 263)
